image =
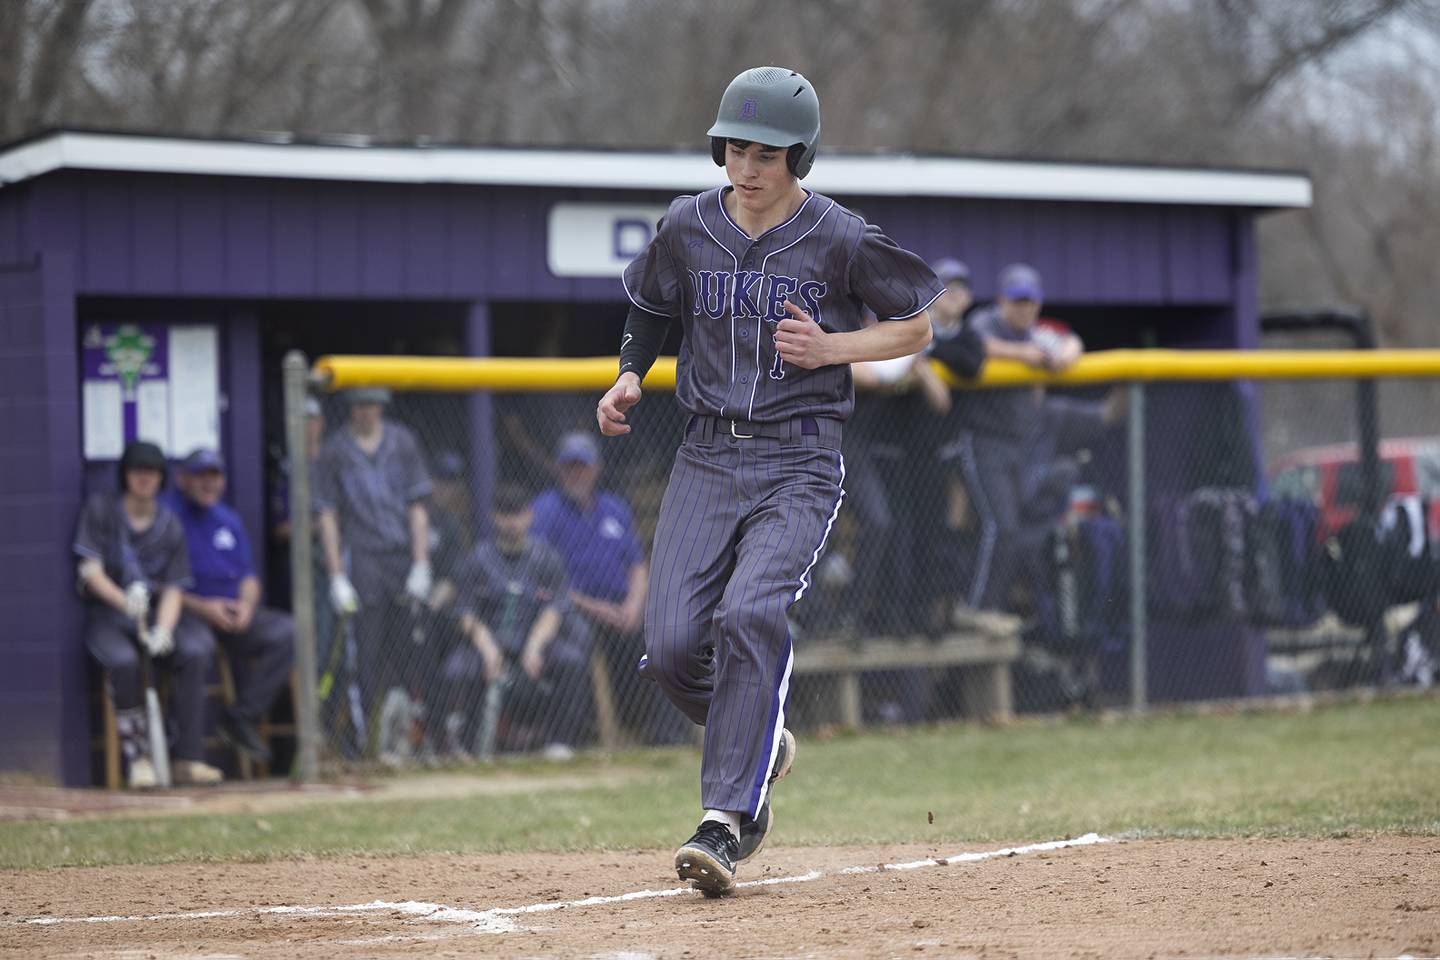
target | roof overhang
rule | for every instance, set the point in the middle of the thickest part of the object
(877, 175)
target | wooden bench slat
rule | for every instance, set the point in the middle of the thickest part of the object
(955, 650)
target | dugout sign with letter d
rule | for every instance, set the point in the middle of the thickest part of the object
(598, 239)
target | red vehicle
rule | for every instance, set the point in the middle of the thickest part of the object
(1330, 477)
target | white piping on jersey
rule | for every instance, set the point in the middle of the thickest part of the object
(637, 303)
(706, 227)
(922, 309)
(750, 413)
(720, 199)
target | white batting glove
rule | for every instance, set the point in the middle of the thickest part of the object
(159, 641)
(137, 601)
(419, 582)
(343, 596)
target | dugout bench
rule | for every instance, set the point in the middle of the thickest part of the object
(980, 646)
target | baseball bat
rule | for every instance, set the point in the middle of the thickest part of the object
(154, 719)
(490, 714)
(337, 643)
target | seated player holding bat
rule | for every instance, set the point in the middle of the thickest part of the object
(769, 282)
(131, 549)
(513, 601)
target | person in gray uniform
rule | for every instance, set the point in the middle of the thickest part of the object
(371, 487)
(769, 282)
(133, 567)
(994, 444)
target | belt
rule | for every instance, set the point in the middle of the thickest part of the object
(825, 430)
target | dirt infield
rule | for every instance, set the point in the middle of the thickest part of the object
(1350, 897)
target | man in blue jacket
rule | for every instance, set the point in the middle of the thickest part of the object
(225, 596)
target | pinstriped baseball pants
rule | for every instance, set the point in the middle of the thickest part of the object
(741, 527)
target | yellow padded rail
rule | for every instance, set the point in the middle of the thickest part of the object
(1106, 366)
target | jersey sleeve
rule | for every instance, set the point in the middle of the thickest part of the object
(243, 555)
(326, 480)
(93, 535)
(177, 563)
(652, 280)
(890, 280)
(985, 321)
(416, 479)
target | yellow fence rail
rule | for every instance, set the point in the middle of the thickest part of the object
(1106, 366)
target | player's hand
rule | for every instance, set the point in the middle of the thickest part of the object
(533, 664)
(159, 641)
(1033, 355)
(418, 582)
(610, 412)
(800, 341)
(219, 613)
(343, 596)
(243, 615)
(137, 601)
(1064, 356)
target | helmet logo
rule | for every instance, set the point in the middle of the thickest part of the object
(749, 109)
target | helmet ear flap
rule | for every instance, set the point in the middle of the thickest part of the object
(793, 156)
(717, 150)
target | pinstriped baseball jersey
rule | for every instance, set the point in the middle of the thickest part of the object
(729, 293)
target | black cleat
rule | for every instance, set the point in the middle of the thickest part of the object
(242, 735)
(708, 859)
(753, 832)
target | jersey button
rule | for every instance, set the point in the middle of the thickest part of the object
(744, 332)
(744, 379)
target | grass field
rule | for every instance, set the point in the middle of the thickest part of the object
(1333, 771)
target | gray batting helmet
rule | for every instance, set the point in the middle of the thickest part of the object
(773, 106)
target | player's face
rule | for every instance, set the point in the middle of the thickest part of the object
(512, 527)
(365, 417)
(759, 175)
(206, 488)
(578, 479)
(1019, 314)
(142, 482)
(954, 301)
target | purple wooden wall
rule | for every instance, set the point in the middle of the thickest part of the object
(42, 683)
(152, 235)
(232, 241)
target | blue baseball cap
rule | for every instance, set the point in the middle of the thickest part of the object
(1020, 281)
(577, 447)
(203, 460)
(949, 269)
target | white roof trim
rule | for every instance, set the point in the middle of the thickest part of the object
(847, 175)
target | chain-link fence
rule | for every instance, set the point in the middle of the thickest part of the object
(480, 560)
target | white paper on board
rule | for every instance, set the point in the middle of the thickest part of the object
(194, 388)
(152, 413)
(104, 420)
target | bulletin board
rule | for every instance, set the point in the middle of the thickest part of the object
(153, 382)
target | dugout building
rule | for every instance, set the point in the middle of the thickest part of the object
(149, 287)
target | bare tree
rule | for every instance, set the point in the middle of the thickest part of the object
(39, 43)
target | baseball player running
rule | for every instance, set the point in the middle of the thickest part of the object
(769, 281)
